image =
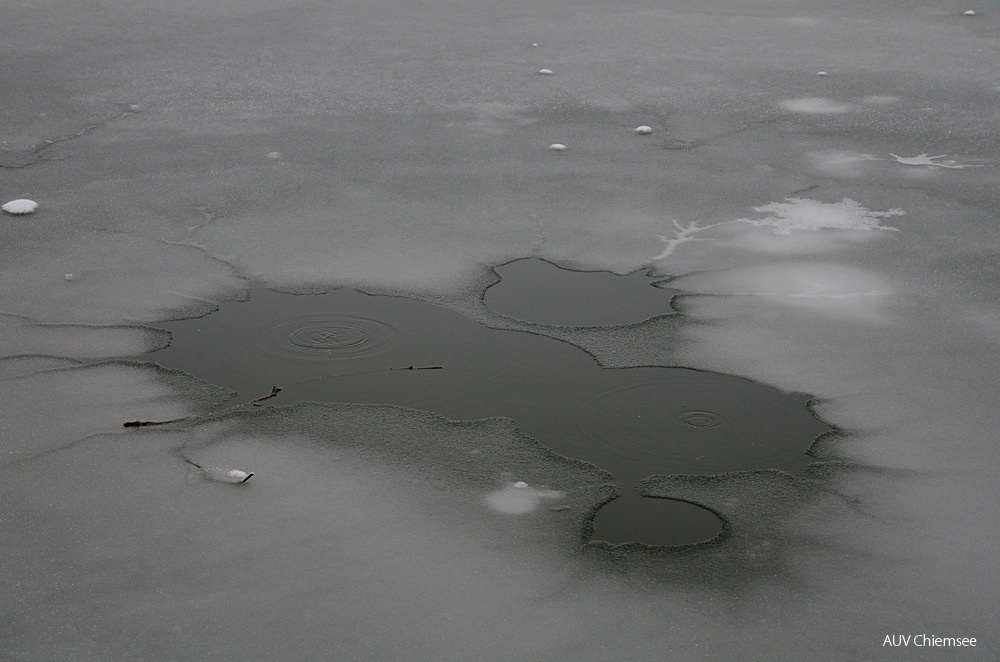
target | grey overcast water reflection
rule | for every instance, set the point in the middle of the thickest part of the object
(631, 422)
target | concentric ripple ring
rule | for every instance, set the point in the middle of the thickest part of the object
(326, 338)
(696, 418)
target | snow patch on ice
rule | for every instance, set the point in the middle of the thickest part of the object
(815, 287)
(812, 215)
(519, 498)
(840, 163)
(795, 215)
(816, 106)
(880, 99)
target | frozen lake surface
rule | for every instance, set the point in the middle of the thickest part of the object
(634, 423)
(818, 188)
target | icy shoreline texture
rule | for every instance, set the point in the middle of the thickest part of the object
(180, 152)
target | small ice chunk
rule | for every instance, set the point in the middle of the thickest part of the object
(545, 72)
(969, 13)
(520, 484)
(274, 155)
(134, 107)
(20, 206)
(821, 73)
(234, 476)
(643, 130)
(557, 147)
(68, 277)
(534, 45)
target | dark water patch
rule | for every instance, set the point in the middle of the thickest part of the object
(534, 290)
(693, 422)
(631, 422)
(633, 518)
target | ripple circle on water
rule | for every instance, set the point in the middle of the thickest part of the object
(697, 418)
(326, 338)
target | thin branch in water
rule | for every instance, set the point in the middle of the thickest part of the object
(142, 424)
(275, 390)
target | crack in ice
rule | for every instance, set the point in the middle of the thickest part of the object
(683, 235)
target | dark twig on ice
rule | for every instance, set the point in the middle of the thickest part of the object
(190, 461)
(275, 390)
(142, 424)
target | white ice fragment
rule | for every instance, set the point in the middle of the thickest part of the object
(518, 498)
(969, 13)
(134, 107)
(924, 160)
(20, 206)
(274, 155)
(237, 475)
(557, 147)
(821, 73)
(234, 476)
(534, 45)
(69, 277)
(545, 72)
(643, 130)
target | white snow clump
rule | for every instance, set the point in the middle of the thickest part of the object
(519, 498)
(20, 206)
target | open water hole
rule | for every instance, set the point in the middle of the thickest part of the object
(346, 346)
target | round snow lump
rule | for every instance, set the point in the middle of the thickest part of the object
(22, 206)
(643, 130)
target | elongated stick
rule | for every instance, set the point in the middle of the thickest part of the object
(275, 390)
